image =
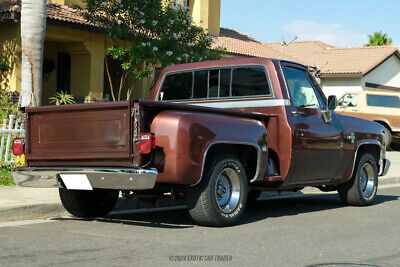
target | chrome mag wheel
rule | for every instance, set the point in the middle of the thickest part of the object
(227, 190)
(367, 180)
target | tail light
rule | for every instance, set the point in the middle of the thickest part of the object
(147, 143)
(18, 147)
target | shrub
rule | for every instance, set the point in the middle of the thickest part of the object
(62, 98)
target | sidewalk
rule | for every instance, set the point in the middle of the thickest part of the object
(18, 203)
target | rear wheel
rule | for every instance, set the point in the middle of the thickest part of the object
(361, 189)
(220, 198)
(83, 203)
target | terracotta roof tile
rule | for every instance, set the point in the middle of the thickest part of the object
(349, 60)
(240, 44)
(54, 11)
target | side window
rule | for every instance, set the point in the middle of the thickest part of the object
(249, 81)
(348, 100)
(177, 86)
(387, 101)
(301, 90)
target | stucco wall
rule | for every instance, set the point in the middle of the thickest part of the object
(338, 86)
(388, 73)
(10, 49)
(206, 14)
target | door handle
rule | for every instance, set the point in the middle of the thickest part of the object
(296, 113)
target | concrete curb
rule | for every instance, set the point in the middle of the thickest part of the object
(52, 210)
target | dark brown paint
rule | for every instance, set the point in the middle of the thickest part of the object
(309, 151)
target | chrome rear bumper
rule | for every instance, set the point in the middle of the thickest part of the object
(106, 178)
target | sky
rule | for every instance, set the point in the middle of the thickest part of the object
(341, 23)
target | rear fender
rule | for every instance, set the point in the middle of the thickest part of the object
(184, 139)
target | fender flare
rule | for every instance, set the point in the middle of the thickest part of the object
(369, 142)
(259, 157)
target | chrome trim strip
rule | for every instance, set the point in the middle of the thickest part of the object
(259, 151)
(245, 104)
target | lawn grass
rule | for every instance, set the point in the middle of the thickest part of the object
(6, 177)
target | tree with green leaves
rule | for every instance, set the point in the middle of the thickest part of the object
(146, 33)
(379, 39)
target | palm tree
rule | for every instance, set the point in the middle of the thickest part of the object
(33, 27)
(379, 39)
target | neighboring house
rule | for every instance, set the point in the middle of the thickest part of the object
(351, 68)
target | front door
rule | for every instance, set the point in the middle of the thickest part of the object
(317, 141)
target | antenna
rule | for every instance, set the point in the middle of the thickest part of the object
(316, 71)
(284, 43)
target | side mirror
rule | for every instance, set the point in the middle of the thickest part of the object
(332, 102)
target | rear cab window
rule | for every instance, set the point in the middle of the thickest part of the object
(386, 101)
(215, 83)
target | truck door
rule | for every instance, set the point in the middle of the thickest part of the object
(317, 141)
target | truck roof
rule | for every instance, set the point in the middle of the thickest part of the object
(221, 63)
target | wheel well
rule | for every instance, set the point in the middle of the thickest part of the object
(372, 149)
(387, 126)
(247, 155)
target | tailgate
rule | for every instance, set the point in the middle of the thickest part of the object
(79, 135)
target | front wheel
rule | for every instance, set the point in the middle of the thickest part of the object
(361, 189)
(220, 198)
(83, 203)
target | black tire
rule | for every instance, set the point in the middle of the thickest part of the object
(356, 192)
(253, 195)
(83, 203)
(388, 138)
(205, 199)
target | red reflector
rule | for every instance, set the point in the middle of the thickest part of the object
(146, 143)
(18, 147)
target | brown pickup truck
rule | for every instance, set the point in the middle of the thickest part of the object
(216, 134)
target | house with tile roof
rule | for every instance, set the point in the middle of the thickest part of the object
(74, 50)
(348, 69)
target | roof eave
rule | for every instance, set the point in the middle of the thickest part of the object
(380, 63)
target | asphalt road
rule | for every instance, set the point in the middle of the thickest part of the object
(394, 170)
(313, 230)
